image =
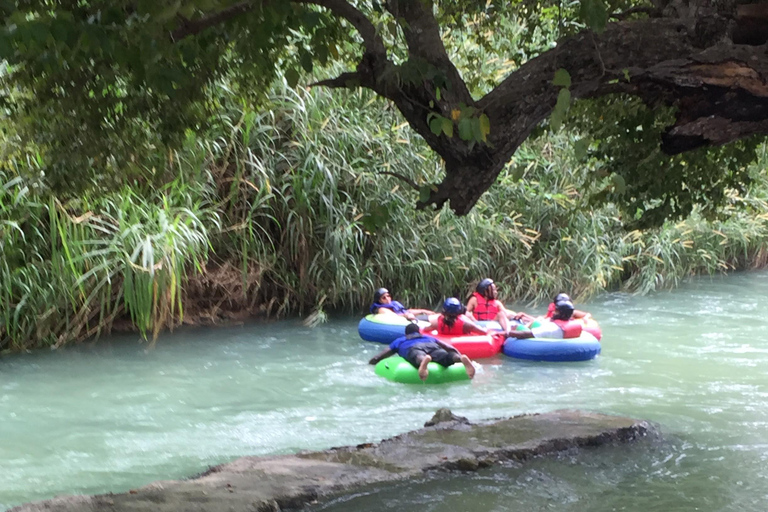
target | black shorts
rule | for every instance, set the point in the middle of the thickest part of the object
(439, 354)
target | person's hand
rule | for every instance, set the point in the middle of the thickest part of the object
(518, 316)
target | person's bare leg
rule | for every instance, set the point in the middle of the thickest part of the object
(467, 362)
(423, 371)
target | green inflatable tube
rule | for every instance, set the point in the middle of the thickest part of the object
(397, 369)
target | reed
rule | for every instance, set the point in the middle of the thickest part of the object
(286, 209)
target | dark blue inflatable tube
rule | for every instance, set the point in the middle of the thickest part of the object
(583, 348)
(383, 328)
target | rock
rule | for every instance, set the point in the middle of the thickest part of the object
(270, 484)
(444, 415)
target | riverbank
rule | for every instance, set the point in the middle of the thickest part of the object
(261, 218)
(446, 443)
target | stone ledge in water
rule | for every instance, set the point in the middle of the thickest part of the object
(262, 484)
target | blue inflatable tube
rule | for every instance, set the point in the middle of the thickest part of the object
(583, 348)
(384, 328)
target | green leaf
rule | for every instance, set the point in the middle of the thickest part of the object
(436, 125)
(563, 100)
(485, 125)
(465, 129)
(306, 62)
(626, 74)
(594, 14)
(619, 185)
(561, 108)
(168, 13)
(292, 77)
(477, 132)
(437, 94)
(321, 52)
(517, 174)
(424, 192)
(562, 78)
(6, 48)
(392, 27)
(447, 127)
(580, 148)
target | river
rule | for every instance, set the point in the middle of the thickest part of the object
(119, 413)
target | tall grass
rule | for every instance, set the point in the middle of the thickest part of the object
(286, 209)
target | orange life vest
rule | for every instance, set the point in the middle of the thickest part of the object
(485, 309)
(571, 328)
(456, 329)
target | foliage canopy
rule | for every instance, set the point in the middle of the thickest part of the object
(95, 86)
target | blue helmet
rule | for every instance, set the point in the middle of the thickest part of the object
(560, 297)
(483, 285)
(453, 306)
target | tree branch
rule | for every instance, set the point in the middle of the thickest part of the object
(372, 40)
(346, 80)
(720, 93)
(399, 176)
(644, 9)
(193, 27)
(422, 34)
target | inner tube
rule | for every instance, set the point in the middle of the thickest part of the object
(493, 325)
(475, 346)
(397, 369)
(583, 348)
(591, 326)
(384, 328)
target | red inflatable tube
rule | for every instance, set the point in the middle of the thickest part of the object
(475, 346)
(592, 327)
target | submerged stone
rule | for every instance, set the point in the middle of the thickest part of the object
(448, 443)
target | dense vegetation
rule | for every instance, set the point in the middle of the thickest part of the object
(92, 80)
(286, 209)
(158, 163)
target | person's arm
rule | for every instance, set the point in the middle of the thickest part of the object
(511, 315)
(432, 324)
(472, 328)
(520, 335)
(385, 311)
(383, 355)
(417, 311)
(523, 317)
(577, 314)
(446, 346)
(471, 305)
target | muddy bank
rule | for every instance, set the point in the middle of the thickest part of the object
(448, 442)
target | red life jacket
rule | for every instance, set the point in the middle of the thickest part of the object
(485, 309)
(457, 329)
(550, 310)
(571, 328)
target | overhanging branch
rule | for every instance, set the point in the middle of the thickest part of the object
(343, 81)
(422, 34)
(372, 40)
(192, 27)
(720, 92)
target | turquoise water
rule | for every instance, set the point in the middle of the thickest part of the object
(119, 414)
